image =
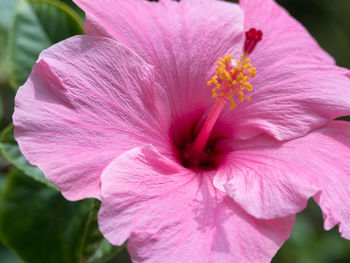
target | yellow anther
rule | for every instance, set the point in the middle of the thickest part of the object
(241, 96)
(240, 77)
(231, 81)
(251, 72)
(248, 86)
(232, 102)
(233, 106)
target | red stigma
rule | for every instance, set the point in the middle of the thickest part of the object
(252, 37)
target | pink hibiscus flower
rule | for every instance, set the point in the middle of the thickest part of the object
(124, 114)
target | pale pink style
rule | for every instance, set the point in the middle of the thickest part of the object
(108, 115)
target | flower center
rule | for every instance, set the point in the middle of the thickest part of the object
(229, 84)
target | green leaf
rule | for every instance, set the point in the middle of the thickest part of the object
(1, 109)
(309, 243)
(2, 180)
(41, 226)
(71, 4)
(3, 58)
(10, 150)
(7, 256)
(95, 248)
(7, 11)
(105, 252)
(38, 24)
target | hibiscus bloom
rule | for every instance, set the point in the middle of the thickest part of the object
(124, 114)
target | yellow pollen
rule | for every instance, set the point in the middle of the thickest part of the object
(231, 81)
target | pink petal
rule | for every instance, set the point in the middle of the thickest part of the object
(182, 40)
(297, 87)
(87, 100)
(268, 189)
(272, 179)
(171, 214)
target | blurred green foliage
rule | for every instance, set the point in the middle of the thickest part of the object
(7, 11)
(37, 224)
(41, 226)
(309, 243)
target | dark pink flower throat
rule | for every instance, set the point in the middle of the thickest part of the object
(229, 84)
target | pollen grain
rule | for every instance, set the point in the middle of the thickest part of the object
(232, 81)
